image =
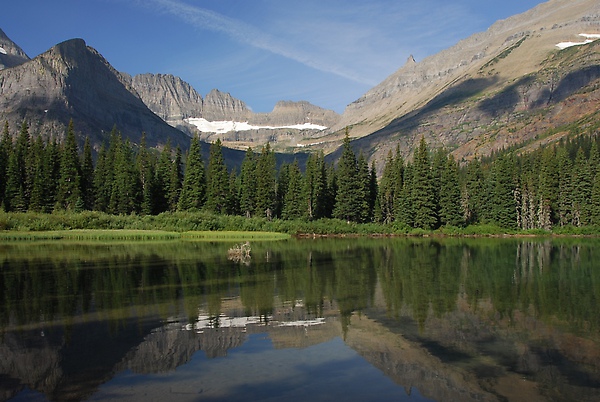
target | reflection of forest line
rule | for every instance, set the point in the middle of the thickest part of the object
(483, 295)
(556, 279)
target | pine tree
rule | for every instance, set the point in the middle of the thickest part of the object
(373, 191)
(193, 190)
(87, 176)
(472, 194)
(38, 201)
(69, 190)
(163, 179)
(294, 206)
(363, 176)
(283, 179)
(315, 187)
(266, 183)
(331, 190)
(247, 185)
(218, 193)
(146, 165)
(582, 189)
(423, 192)
(387, 190)
(449, 195)
(104, 174)
(349, 197)
(5, 151)
(175, 181)
(503, 207)
(17, 191)
(126, 189)
(565, 187)
(549, 188)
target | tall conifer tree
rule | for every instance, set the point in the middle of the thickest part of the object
(69, 190)
(423, 192)
(218, 195)
(193, 190)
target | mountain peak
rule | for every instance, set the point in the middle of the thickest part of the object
(11, 55)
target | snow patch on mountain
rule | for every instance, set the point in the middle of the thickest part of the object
(2, 50)
(589, 39)
(222, 127)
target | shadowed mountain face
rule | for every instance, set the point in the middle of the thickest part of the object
(73, 81)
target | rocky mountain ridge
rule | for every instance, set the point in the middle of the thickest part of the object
(73, 81)
(175, 101)
(471, 98)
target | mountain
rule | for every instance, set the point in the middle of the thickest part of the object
(508, 85)
(220, 115)
(73, 81)
(10, 54)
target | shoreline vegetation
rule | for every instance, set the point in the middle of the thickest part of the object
(93, 225)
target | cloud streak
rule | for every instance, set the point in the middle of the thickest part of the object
(244, 33)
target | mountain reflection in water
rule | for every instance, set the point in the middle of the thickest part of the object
(356, 319)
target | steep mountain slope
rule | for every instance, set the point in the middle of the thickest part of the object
(73, 81)
(10, 53)
(484, 93)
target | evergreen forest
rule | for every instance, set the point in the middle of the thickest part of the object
(554, 186)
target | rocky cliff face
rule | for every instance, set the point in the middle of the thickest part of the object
(171, 98)
(10, 54)
(73, 81)
(220, 106)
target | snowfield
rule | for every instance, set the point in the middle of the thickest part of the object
(2, 50)
(222, 127)
(589, 39)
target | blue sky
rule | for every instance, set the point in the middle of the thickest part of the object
(328, 52)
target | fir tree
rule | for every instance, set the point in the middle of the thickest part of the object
(266, 183)
(423, 192)
(69, 190)
(449, 195)
(87, 176)
(193, 190)
(218, 194)
(126, 189)
(387, 190)
(38, 201)
(502, 199)
(247, 187)
(315, 187)
(350, 194)
(5, 151)
(565, 200)
(175, 181)
(294, 206)
(363, 175)
(146, 170)
(163, 179)
(17, 191)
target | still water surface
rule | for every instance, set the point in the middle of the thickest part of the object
(318, 320)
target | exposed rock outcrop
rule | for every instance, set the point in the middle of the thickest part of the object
(171, 98)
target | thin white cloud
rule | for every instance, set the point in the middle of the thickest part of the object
(244, 33)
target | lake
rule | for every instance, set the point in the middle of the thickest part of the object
(359, 319)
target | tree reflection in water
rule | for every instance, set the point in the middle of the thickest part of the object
(450, 317)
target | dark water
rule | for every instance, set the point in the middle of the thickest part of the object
(316, 320)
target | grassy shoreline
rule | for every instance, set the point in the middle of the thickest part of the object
(90, 225)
